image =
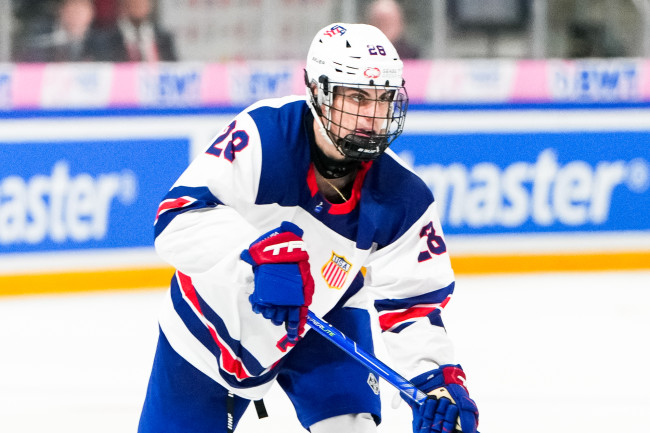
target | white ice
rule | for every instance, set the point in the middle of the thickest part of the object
(543, 353)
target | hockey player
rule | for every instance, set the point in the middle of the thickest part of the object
(299, 204)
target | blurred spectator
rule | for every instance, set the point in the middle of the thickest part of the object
(135, 37)
(106, 12)
(592, 40)
(387, 15)
(67, 36)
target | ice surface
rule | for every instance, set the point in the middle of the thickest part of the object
(543, 353)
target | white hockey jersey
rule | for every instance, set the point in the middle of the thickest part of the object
(382, 249)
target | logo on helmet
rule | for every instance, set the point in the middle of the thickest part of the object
(372, 73)
(389, 72)
(335, 30)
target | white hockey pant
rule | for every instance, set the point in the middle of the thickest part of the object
(357, 423)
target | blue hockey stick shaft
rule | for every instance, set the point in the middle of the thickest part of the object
(369, 361)
(365, 358)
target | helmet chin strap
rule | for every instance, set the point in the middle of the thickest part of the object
(316, 113)
(331, 168)
(327, 166)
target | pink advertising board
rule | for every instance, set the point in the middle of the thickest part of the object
(197, 85)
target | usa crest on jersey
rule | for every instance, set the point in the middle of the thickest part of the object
(335, 271)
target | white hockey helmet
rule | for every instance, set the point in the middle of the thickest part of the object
(356, 56)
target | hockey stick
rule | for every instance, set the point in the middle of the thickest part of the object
(368, 360)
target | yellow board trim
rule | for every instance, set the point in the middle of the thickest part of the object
(614, 261)
(160, 276)
(84, 281)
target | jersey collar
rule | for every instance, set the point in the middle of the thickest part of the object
(355, 196)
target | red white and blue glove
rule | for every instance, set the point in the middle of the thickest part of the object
(283, 283)
(448, 408)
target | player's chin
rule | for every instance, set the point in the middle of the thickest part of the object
(335, 154)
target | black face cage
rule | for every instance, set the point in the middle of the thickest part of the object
(376, 121)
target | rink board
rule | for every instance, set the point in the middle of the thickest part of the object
(518, 190)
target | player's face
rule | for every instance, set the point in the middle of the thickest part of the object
(359, 111)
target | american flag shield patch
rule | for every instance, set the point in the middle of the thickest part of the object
(335, 271)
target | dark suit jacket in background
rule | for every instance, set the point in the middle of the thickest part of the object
(39, 43)
(114, 48)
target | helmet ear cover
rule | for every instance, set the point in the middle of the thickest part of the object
(317, 99)
(324, 81)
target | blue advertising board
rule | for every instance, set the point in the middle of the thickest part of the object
(102, 193)
(535, 182)
(67, 195)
